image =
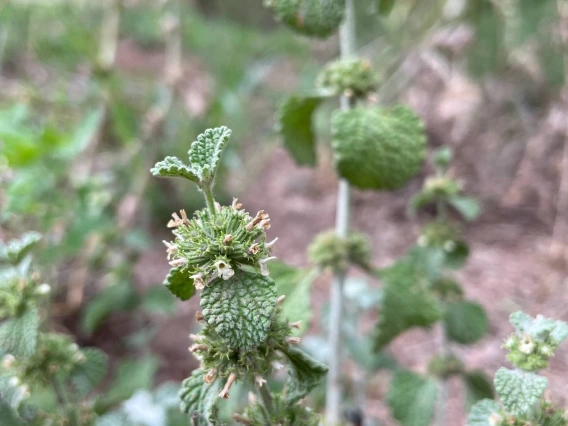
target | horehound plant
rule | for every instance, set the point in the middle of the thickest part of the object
(45, 378)
(420, 291)
(374, 147)
(222, 251)
(521, 391)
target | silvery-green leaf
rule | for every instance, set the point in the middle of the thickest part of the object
(173, 167)
(468, 207)
(304, 374)
(87, 375)
(482, 411)
(519, 391)
(205, 153)
(240, 308)
(15, 250)
(199, 399)
(18, 335)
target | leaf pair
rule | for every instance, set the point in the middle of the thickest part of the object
(204, 156)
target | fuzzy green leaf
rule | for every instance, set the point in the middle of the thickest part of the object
(304, 374)
(180, 283)
(412, 398)
(15, 250)
(87, 375)
(406, 303)
(205, 153)
(295, 284)
(199, 399)
(18, 335)
(465, 322)
(468, 207)
(477, 387)
(540, 328)
(295, 124)
(482, 411)
(240, 308)
(376, 148)
(386, 6)
(519, 391)
(173, 167)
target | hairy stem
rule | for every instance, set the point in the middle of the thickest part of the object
(209, 200)
(333, 392)
(266, 402)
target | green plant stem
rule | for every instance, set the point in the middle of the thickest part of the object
(333, 391)
(267, 403)
(209, 200)
(64, 402)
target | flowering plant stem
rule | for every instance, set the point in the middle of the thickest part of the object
(209, 200)
(333, 391)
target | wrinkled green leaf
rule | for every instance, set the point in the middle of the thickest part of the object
(378, 148)
(482, 411)
(477, 387)
(406, 303)
(295, 124)
(519, 391)
(205, 153)
(199, 399)
(18, 335)
(174, 167)
(539, 328)
(465, 322)
(180, 283)
(412, 398)
(304, 374)
(240, 308)
(88, 374)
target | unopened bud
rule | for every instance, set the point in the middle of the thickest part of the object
(43, 289)
(199, 316)
(8, 361)
(293, 340)
(280, 299)
(297, 324)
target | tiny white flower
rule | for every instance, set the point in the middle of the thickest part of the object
(422, 241)
(527, 345)
(43, 289)
(14, 381)
(546, 350)
(74, 347)
(449, 246)
(263, 267)
(198, 281)
(8, 361)
(171, 248)
(259, 380)
(495, 419)
(24, 391)
(178, 262)
(510, 342)
(224, 269)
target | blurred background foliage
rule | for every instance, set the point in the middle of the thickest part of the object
(78, 135)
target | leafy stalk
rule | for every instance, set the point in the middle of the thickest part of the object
(333, 395)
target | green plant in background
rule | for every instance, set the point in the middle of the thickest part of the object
(223, 252)
(420, 291)
(45, 378)
(521, 390)
(373, 147)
